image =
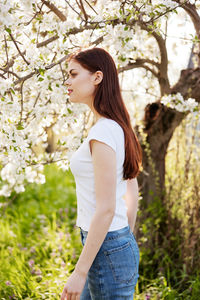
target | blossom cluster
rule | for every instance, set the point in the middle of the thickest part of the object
(176, 101)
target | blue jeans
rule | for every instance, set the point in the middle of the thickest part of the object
(114, 271)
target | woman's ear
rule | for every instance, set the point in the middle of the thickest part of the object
(98, 77)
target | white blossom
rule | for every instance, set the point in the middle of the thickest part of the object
(177, 102)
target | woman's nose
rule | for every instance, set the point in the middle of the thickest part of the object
(66, 82)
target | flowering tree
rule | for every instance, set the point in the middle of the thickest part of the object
(35, 40)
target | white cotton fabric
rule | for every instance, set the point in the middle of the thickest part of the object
(111, 133)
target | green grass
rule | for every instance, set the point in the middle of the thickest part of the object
(39, 244)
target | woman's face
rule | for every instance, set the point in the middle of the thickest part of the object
(81, 84)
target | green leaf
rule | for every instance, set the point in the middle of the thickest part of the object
(8, 30)
(12, 91)
(40, 79)
(69, 110)
(41, 71)
(41, 56)
(49, 87)
(20, 127)
(122, 58)
(128, 18)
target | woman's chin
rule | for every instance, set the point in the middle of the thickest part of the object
(72, 99)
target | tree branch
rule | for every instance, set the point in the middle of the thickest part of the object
(22, 101)
(140, 63)
(91, 7)
(163, 66)
(83, 10)
(3, 76)
(36, 71)
(97, 41)
(10, 72)
(11, 62)
(73, 31)
(36, 13)
(20, 53)
(6, 49)
(46, 42)
(74, 10)
(54, 9)
(192, 12)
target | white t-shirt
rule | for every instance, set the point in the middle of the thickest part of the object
(111, 133)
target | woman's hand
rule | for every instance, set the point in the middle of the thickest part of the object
(74, 286)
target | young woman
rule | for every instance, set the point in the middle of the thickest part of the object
(105, 169)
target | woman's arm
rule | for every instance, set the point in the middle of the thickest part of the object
(104, 162)
(131, 199)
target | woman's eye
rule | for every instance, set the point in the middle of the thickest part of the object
(73, 74)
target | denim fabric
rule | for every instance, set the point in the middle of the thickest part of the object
(114, 272)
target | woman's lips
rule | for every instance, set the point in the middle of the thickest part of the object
(70, 91)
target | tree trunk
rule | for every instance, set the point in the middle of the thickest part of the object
(160, 123)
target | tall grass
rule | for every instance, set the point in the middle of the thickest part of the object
(39, 244)
(170, 267)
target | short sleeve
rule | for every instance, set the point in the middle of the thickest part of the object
(103, 133)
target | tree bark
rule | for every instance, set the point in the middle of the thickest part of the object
(160, 123)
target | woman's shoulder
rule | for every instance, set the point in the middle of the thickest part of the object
(107, 131)
(108, 123)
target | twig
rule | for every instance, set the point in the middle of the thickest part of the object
(83, 10)
(54, 56)
(36, 100)
(98, 41)
(11, 62)
(139, 63)
(62, 72)
(36, 71)
(91, 6)
(37, 12)
(50, 40)
(162, 14)
(10, 72)
(3, 76)
(21, 54)
(58, 62)
(53, 8)
(74, 10)
(22, 101)
(6, 49)
(24, 78)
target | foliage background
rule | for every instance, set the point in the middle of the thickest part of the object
(39, 243)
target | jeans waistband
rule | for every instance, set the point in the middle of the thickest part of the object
(111, 235)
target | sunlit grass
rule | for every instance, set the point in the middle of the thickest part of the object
(39, 244)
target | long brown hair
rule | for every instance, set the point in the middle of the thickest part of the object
(108, 103)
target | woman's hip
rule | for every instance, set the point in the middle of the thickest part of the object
(115, 268)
